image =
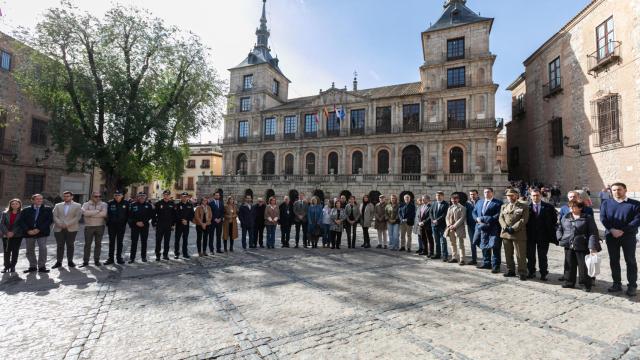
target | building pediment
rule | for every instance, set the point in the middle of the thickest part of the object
(335, 96)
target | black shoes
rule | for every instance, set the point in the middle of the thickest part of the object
(84, 264)
(379, 246)
(543, 277)
(5, 270)
(186, 256)
(165, 257)
(523, 278)
(632, 291)
(72, 264)
(495, 271)
(436, 257)
(43, 270)
(561, 278)
(473, 262)
(531, 276)
(568, 286)
(56, 265)
(157, 258)
(120, 261)
(144, 259)
(615, 288)
(402, 249)
(30, 270)
(108, 262)
(131, 261)
(97, 263)
(510, 274)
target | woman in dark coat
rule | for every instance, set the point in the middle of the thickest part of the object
(11, 234)
(314, 225)
(260, 208)
(578, 234)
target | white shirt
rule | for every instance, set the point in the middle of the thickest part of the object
(620, 201)
(66, 208)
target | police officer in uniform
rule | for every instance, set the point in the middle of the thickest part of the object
(514, 216)
(140, 213)
(163, 220)
(184, 214)
(117, 214)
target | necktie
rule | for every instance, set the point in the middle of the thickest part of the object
(484, 206)
(536, 209)
(37, 213)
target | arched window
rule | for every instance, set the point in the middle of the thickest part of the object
(332, 163)
(241, 164)
(288, 164)
(269, 164)
(383, 162)
(411, 160)
(310, 164)
(356, 163)
(456, 156)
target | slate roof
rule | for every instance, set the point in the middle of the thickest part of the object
(456, 13)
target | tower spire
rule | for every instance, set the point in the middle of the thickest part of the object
(263, 32)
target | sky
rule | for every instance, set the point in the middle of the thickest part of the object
(323, 41)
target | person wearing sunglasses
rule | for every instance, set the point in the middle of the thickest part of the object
(95, 217)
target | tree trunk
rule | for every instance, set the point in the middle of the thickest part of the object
(113, 182)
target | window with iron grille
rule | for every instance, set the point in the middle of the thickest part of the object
(5, 60)
(557, 137)
(357, 121)
(310, 124)
(606, 120)
(243, 129)
(191, 164)
(34, 184)
(455, 49)
(247, 82)
(554, 74)
(290, 125)
(383, 119)
(275, 87)
(245, 104)
(411, 118)
(456, 77)
(38, 132)
(269, 127)
(205, 164)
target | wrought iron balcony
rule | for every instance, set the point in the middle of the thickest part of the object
(552, 88)
(604, 56)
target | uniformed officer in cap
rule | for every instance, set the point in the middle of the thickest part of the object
(184, 214)
(140, 213)
(117, 216)
(163, 220)
(514, 216)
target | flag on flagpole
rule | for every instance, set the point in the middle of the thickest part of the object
(339, 113)
(326, 113)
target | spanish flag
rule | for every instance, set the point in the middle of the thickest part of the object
(326, 113)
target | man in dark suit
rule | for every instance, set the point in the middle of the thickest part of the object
(541, 231)
(35, 221)
(426, 232)
(471, 224)
(286, 221)
(438, 216)
(217, 210)
(487, 234)
(247, 216)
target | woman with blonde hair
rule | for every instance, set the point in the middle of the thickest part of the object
(11, 234)
(230, 223)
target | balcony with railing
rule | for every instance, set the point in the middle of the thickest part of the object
(363, 179)
(604, 56)
(552, 88)
(469, 53)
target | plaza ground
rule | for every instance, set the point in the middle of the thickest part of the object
(308, 304)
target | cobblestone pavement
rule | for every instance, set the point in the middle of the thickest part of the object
(308, 303)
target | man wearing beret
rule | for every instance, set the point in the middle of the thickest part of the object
(140, 213)
(514, 216)
(184, 215)
(117, 215)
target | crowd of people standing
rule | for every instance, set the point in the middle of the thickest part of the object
(524, 224)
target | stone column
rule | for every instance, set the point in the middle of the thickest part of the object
(489, 162)
(397, 159)
(425, 157)
(368, 162)
(440, 157)
(343, 162)
(320, 163)
(278, 161)
(471, 156)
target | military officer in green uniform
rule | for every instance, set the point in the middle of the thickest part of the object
(514, 216)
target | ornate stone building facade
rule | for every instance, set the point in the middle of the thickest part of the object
(576, 109)
(437, 133)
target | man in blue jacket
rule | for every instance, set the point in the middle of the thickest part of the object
(217, 210)
(438, 215)
(487, 234)
(621, 219)
(35, 222)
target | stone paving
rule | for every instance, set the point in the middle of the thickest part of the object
(308, 304)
